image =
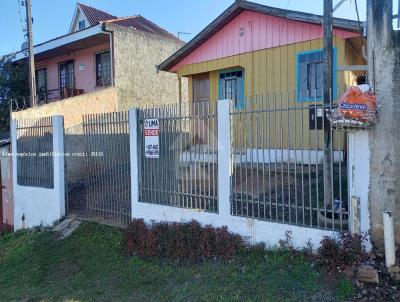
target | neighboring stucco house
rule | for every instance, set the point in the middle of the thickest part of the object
(104, 63)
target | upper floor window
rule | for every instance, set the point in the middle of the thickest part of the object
(66, 75)
(231, 86)
(41, 81)
(103, 69)
(41, 84)
(82, 24)
(310, 75)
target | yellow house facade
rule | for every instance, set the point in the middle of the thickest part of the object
(271, 60)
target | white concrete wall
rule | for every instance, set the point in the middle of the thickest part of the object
(306, 157)
(40, 206)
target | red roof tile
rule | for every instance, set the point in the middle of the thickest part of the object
(141, 23)
(94, 15)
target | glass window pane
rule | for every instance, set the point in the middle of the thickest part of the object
(103, 69)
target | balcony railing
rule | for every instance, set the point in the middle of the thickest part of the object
(57, 94)
(46, 97)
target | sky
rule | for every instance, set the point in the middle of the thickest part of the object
(52, 18)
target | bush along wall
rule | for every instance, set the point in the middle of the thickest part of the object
(181, 241)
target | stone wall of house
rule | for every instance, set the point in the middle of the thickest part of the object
(103, 100)
(136, 56)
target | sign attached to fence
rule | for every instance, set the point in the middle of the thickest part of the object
(151, 138)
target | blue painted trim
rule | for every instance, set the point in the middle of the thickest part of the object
(241, 104)
(334, 76)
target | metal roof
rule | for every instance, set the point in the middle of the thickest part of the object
(238, 7)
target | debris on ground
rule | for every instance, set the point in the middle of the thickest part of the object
(366, 273)
(388, 288)
(66, 227)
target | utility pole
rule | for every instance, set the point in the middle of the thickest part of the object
(328, 91)
(384, 138)
(32, 78)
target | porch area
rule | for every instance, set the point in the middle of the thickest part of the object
(69, 66)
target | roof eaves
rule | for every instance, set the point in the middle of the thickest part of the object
(168, 63)
(63, 36)
(300, 16)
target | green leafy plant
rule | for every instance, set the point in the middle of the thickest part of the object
(13, 86)
(335, 254)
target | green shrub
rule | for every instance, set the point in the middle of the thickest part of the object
(335, 254)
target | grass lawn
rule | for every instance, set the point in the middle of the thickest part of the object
(88, 266)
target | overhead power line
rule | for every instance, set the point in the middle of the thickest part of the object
(339, 4)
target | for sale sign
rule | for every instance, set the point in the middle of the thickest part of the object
(151, 138)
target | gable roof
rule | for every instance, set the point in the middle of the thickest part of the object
(141, 23)
(238, 7)
(95, 15)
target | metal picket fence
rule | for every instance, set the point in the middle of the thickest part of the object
(103, 191)
(35, 153)
(185, 174)
(278, 163)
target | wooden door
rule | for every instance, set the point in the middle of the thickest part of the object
(201, 102)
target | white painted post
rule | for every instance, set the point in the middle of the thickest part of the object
(224, 157)
(388, 231)
(13, 129)
(134, 158)
(58, 160)
(358, 176)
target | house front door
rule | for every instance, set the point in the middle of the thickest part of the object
(201, 103)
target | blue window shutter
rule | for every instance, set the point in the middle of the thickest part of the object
(302, 78)
(240, 92)
(221, 89)
(310, 75)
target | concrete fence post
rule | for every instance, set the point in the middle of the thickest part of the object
(134, 158)
(59, 161)
(224, 157)
(358, 177)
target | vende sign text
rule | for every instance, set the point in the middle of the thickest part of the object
(151, 138)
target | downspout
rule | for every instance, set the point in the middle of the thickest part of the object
(111, 37)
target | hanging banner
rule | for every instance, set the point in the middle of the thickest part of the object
(151, 138)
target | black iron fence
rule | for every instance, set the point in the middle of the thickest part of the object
(279, 167)
(35, 153)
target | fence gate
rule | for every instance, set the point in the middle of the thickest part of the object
(98, 177)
